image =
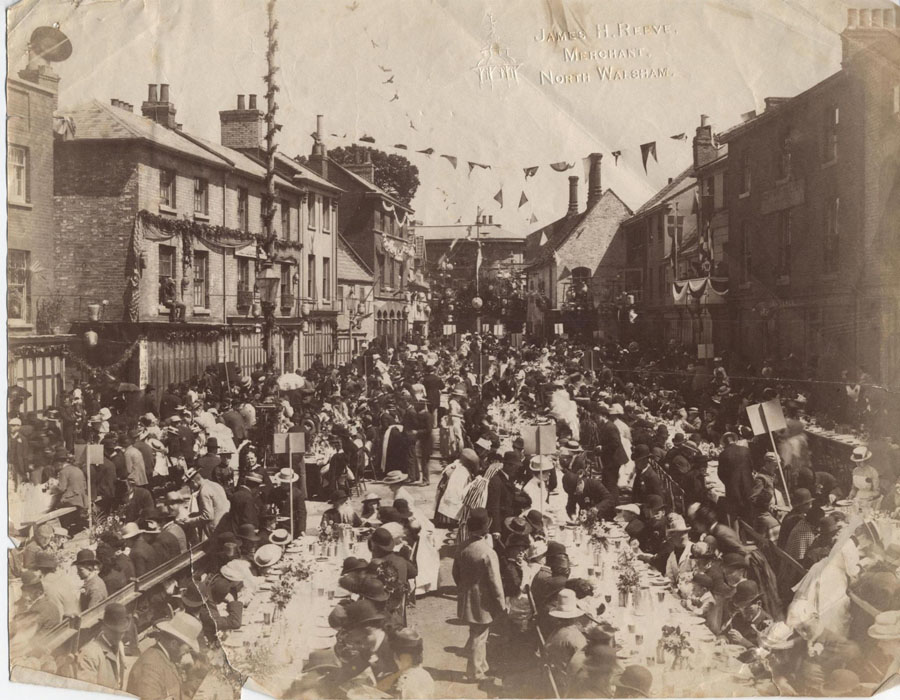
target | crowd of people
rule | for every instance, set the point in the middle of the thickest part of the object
(750, 533)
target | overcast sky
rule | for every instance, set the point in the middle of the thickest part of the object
(726, 57)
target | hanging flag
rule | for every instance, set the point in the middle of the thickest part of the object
(478, 260)
(400, 146)
(562, 166)
(452, 160)
(471, 167)
(533, 219)
(499, 197)
(679, 137)
(616, 154)
(648, 149)
(531, 172)
(427, 151)
(522, 200)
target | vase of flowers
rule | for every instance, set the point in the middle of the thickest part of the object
(627, 583)
(676, 643)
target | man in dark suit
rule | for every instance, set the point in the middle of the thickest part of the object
(137, 500)
(155, 675)
(500, 493)
(612, 454)
(19, 452)
(588, 493)
(147, 452)
(735, 470)
(207, 464)
(245, 502)
(235, 422)
(434, 385)
(479, 591)
(646, 480)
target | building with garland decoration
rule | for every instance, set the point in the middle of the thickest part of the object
(179, 221)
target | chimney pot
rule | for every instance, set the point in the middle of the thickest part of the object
(151, 93)
(252, 101)
(890, 18)
(852, 18)
(876, 18)
(491, 219)
(573, 195)
(704, 119)
(240, 103)
(163, 92)
(865, 18)
(114, 102)
(320, 125)
(670, 181)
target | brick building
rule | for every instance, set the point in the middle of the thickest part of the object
(813, 199)
(36, 322)
(680, 235)
(451, 254)
(179, 216)
(376, 226)
(576, 266)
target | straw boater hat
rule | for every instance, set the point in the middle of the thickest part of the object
(860, 453)
(280, 537)
(130, 530)
(395, 476)
(676, 524)
(286, 476)
(184, 627)
(541, 463)
(370, 496)
(566, 605)
(630, 508)
(779, 636)
(267, 555)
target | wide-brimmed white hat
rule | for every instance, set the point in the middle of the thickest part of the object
(267, 555)
(630, 508)
(616, 410)
(130, 530)
(279, 537)
(887, 625)
(395, 477)
(286, 476)
(779, 636)
(566, 605)
(185, 627)
(675, 523)
(860, 453)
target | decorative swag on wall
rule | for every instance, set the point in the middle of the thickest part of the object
(152, 227)
(698, 287)
(399, 251)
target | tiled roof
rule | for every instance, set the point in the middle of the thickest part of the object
(95, 120)
(241, 161)
(305, 173)
(370, 186)
(558, 232)
(672, 188)
(350, 266)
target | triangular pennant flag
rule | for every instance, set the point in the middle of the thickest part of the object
(648, 149)
(471, 167)
(522, 200)
(427, 151)
(616, 154)
(499, 197)
(452, 160)
(679, 137)
(533, 219)
(401, 146)
(531, 171)
(562, 166)
(367, 138)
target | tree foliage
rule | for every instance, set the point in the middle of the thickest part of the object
(393, 173)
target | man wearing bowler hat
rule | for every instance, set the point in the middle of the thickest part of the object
(93, 590)
(102, 660)
(480, 600)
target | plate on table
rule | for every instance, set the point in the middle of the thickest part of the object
(844, 503)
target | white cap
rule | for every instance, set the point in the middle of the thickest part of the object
(630, 508)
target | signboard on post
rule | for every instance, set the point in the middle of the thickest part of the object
(705, 351)
(558, 329)
(89, 455)
(540, 439)
(289, 443)
(766, 418)
(515, 340)
(449, 329)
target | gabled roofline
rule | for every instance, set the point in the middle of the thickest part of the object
(371, 187)
(356, 257)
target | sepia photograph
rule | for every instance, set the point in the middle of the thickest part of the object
(453, 349)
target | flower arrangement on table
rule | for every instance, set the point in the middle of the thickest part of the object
(327, 532)
(629, 580)
(677, 643)
(506, 416)
(598, 530)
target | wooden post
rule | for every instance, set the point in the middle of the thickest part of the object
(291, 490)
(90, 506)
(762, 417)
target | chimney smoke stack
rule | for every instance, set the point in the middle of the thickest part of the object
(241, 105)
(163, 92)
(595, 184)
(252, 102)
(151, 94)
(573, 195)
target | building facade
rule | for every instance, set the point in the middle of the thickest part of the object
(356, 288)
(576, 266)
(814, 205)
(376, 226)
(180, 219)
(37, 328)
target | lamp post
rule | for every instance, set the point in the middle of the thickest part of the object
(267, 284)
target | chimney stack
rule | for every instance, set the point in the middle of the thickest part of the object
(242, 128)
(705, 150)
(573, 195)
(159, 110)
(318, 159)
(363, 166)
(491, 219)
(595, 186)
(865, 26)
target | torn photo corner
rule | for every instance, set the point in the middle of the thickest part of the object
(258, 311)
